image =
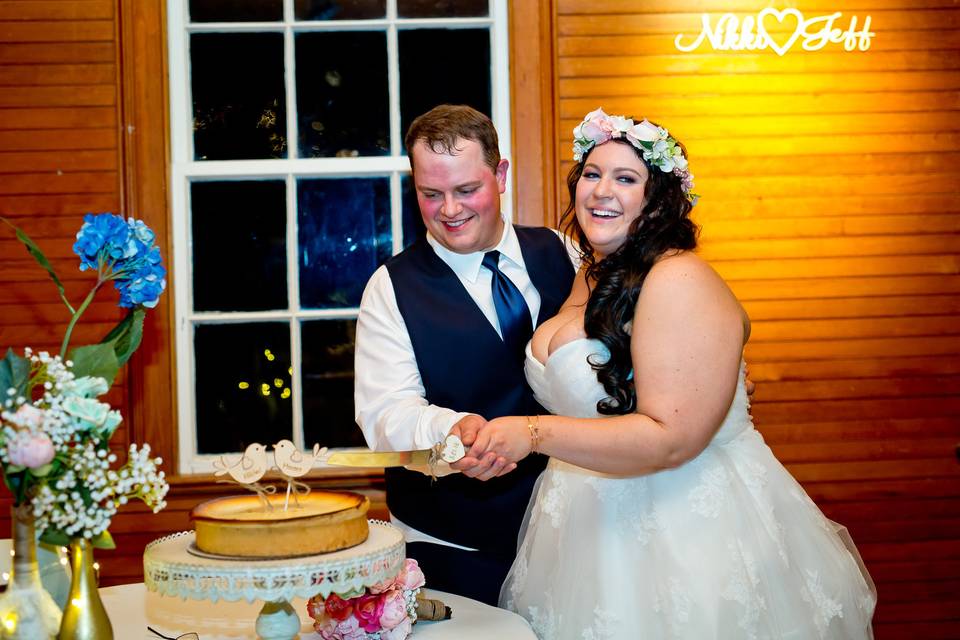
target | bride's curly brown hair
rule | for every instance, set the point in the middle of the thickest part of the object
(615, 281)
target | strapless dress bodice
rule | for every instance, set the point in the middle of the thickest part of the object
(567, 385)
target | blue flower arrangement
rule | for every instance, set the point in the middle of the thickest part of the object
(54, 433)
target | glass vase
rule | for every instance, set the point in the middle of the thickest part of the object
(27, 611)
(84, 617)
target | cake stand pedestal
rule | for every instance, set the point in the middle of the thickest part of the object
(170, 568)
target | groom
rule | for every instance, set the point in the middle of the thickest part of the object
(440, 348)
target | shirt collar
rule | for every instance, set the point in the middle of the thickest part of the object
(467, 266)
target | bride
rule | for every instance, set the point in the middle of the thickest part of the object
(662, 513)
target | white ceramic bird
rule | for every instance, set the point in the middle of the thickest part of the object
(292, 462)
(248, 468)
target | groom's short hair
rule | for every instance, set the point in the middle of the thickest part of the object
(442, 126)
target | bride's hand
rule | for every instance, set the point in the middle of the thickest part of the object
(508, 437)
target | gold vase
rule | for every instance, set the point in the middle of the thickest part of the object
(84, 617)
(27, 612)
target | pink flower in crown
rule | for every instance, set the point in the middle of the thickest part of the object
(595, 132)
(394, 609)
(399, 632)
(30, 450)
(410, 577)
(644, 131)
(367, 611)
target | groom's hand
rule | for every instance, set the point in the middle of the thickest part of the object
(481, 466)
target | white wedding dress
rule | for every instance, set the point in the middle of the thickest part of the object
(726, 547)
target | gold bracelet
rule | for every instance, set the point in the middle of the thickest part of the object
(533, 425)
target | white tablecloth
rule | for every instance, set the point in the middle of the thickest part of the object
(131, 608)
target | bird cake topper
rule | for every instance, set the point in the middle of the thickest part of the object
(253, 464)
(293, 463)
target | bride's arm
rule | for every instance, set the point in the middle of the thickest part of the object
(687, 339)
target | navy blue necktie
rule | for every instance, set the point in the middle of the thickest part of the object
(512, 311)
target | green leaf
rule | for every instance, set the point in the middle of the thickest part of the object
(13, 478)
(37, 254)
(127, 334)
(104, 541)
(14, 373)
(56, 537)
(95, 360)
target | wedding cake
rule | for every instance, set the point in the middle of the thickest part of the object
(243, 526)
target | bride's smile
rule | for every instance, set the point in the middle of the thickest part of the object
(610, 195)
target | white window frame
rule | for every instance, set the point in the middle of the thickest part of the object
(184, 169)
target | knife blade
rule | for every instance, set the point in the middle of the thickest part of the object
(451, 451)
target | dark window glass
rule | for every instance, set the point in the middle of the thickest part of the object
(413, 228)
(344, 227)
(327, 378)
(339, 9)
(243, 385)
(239, 110)
(235, 10)
(441, 8)
(239, 245)
(460, 75)
(342, 95)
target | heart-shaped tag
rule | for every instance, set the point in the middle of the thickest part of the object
(452, 449)
(779, 16)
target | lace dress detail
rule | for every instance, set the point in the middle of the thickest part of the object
(725, 546)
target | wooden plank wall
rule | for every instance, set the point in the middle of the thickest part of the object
(60, 157)
(830, 185)
(82, 129)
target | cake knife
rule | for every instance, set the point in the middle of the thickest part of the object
(450, 450)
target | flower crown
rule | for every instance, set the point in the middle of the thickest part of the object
(659, 148)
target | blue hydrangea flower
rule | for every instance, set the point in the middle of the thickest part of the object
(103, 237)
(123, 251)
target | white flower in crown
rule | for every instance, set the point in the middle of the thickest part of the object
(655, 143)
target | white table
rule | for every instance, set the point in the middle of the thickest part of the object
(131, 608)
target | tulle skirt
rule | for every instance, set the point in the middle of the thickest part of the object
(727, 546)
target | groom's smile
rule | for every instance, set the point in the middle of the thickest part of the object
(459, 195)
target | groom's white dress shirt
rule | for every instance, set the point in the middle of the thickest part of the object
(389, 395)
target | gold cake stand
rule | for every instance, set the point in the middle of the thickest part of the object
(173, 567)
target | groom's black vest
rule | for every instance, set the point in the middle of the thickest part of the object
(465, 366)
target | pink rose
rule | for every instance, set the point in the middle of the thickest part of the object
(30, 450)
(410, 576)
(399, 632)
(382, 587)
(338, 608)
(368, 610)
(349, 629)
(394, 609)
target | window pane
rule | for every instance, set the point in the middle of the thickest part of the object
(342, 98)
(441, 8)
(413, 228)
(235, 10)
(344, 227)
(428, 79)
(238, 96)
(243, 385)
(328, 347)
(239, 245)
(339, 9)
